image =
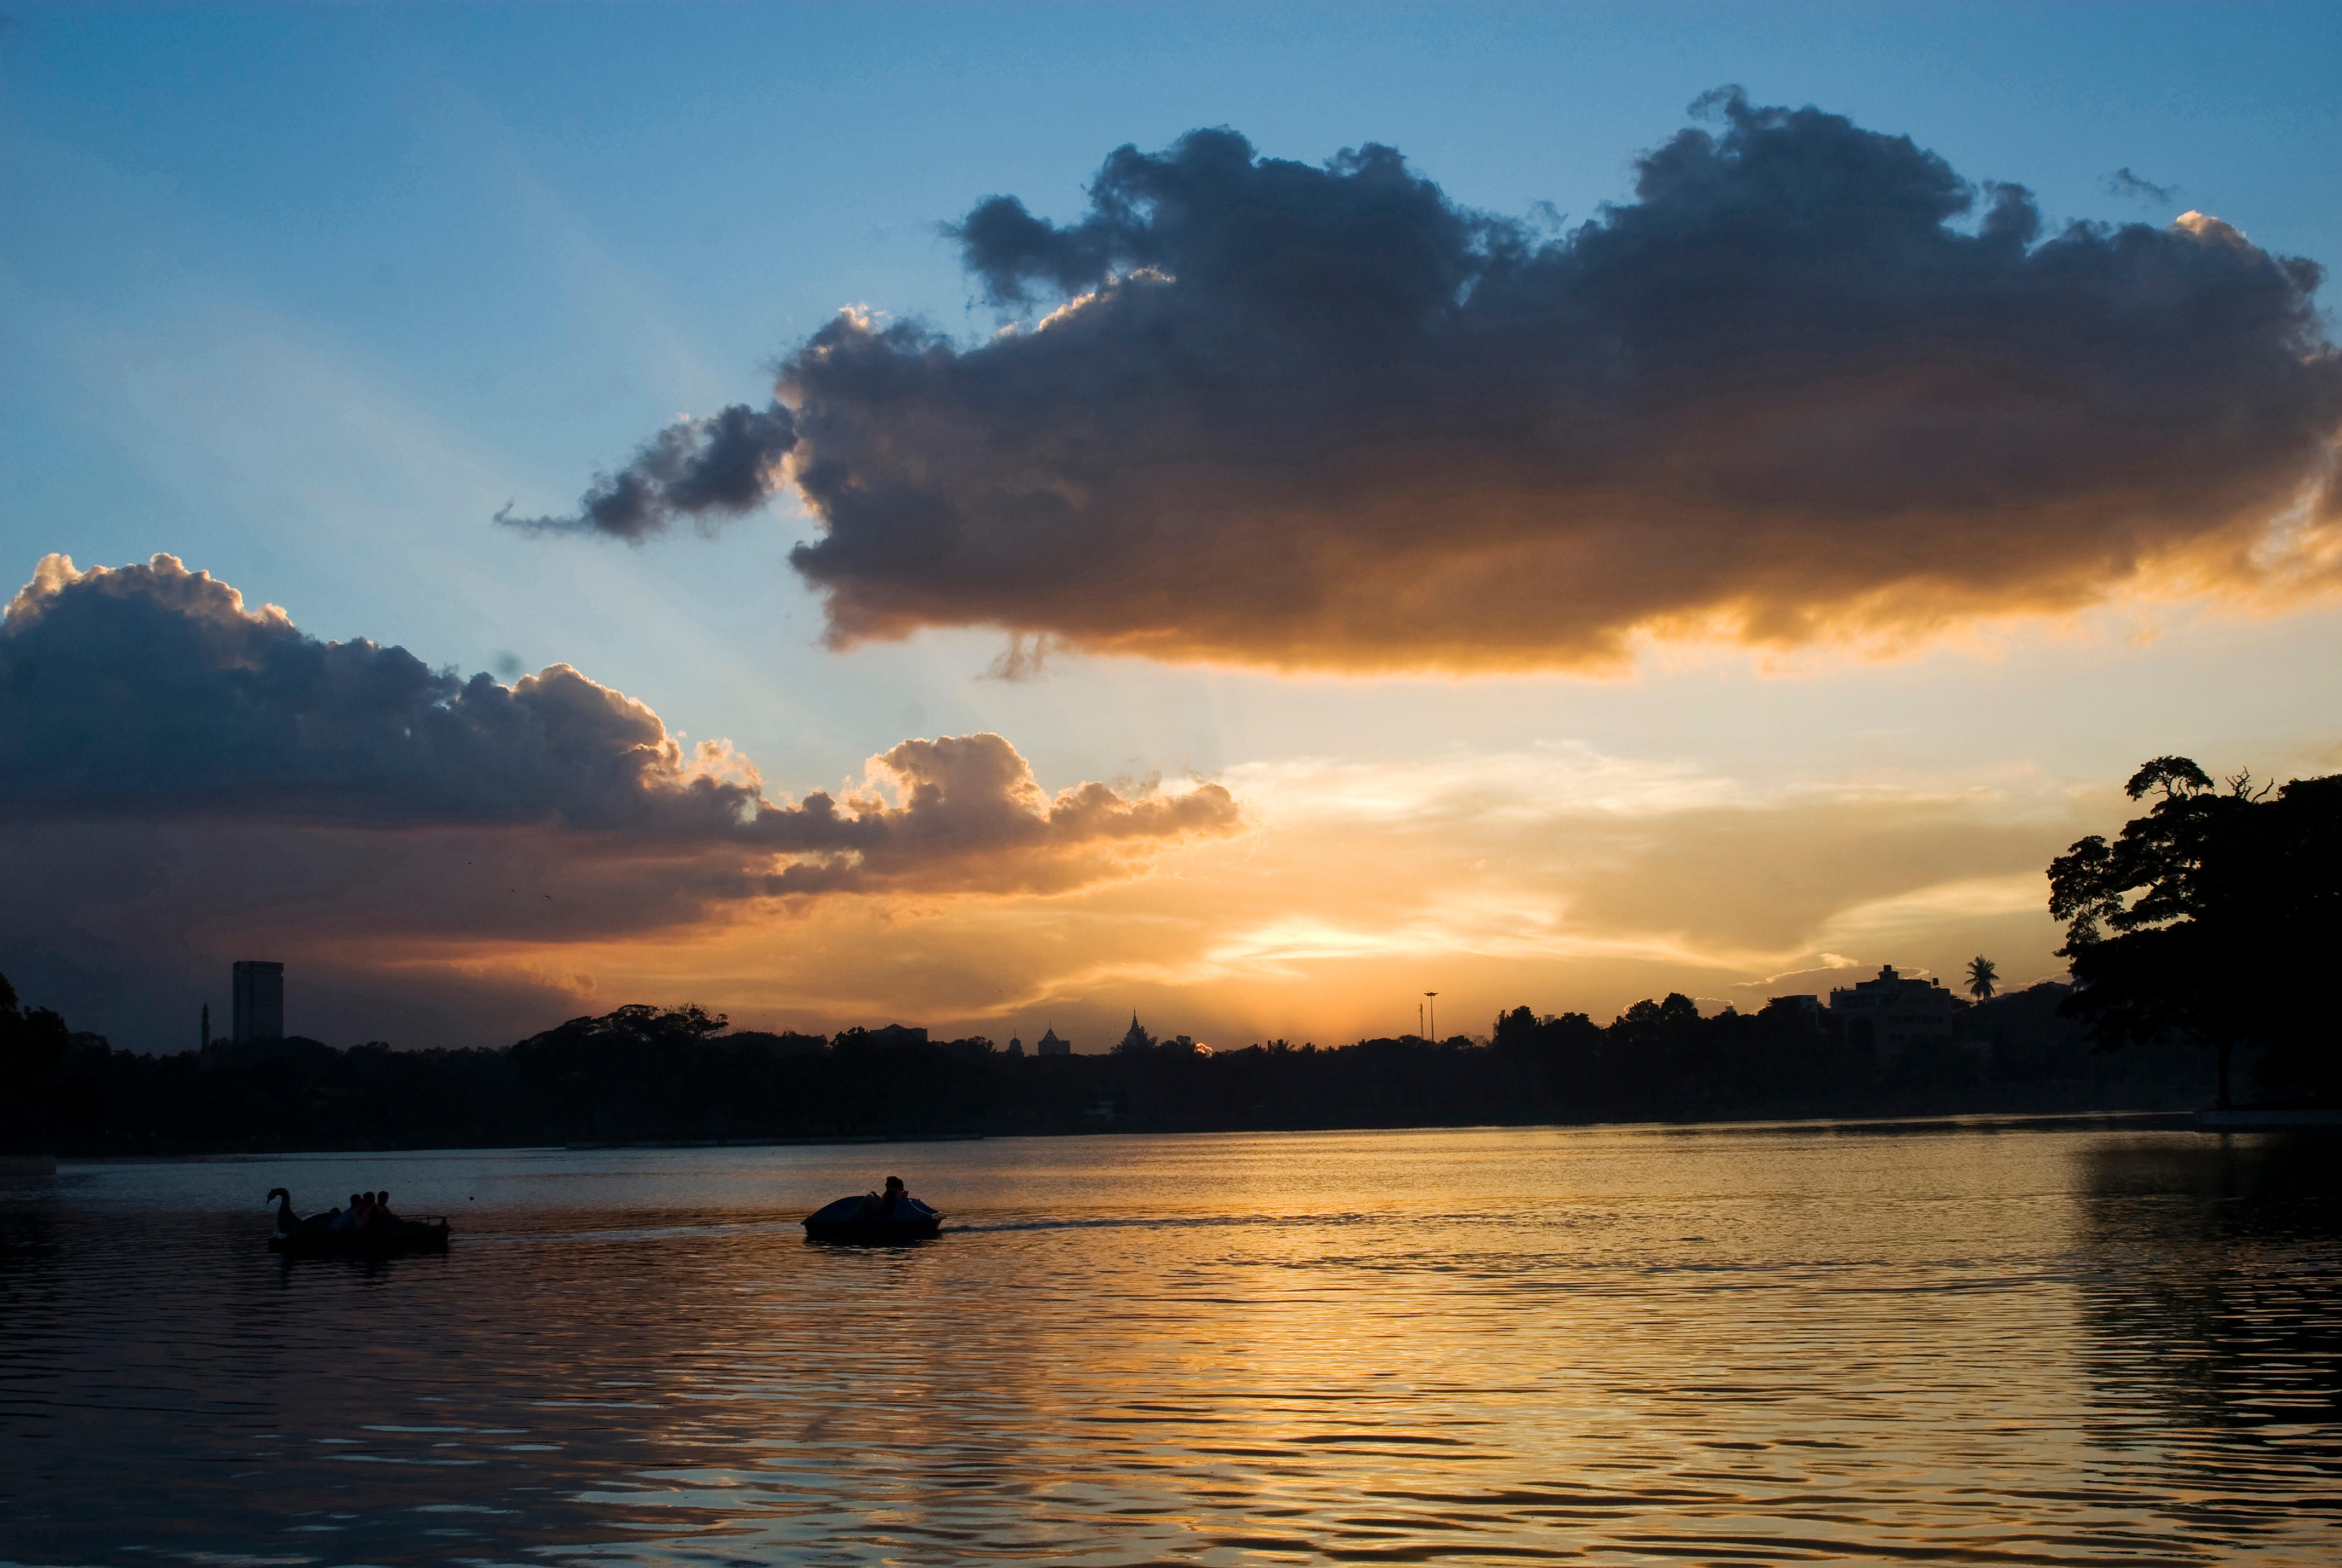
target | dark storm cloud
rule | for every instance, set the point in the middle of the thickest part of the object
(707, 469)
(1809, 383)
(151, 692)
(2123, 183)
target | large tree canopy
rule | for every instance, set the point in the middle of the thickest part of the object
(2211, 916)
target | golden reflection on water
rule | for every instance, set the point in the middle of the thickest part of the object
(1976, 1344)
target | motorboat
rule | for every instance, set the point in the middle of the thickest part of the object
(865, 1219)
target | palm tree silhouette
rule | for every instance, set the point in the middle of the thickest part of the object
(1983, 978)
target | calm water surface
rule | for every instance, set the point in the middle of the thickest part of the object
(1965, 1343)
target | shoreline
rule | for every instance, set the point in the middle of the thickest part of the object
(2110, 1118)
(2268, 1118)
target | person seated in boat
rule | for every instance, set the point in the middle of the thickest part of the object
(352, 1218)
(895, 1201)
(380, 1218)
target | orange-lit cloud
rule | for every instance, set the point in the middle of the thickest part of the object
(178, 771)
(1805, 389)
(1550, 881)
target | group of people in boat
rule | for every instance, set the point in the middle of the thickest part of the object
(367, 1211)
(368, 1218)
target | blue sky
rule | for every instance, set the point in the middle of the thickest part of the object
(304, 294)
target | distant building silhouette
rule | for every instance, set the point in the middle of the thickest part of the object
(259, 1001)
(1134, 1037)
(1015, 1046)
(1900, 1012)
(898, 1034)
(1050, 1046)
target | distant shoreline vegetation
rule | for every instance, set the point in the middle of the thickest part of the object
(648, 1075)
(2195, 934)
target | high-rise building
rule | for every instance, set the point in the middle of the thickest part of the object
(259, 990)
(1051, 1045)
(1895, 1011)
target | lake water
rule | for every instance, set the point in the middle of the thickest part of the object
(1982, 1343)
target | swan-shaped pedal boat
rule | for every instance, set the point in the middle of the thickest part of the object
(866, 1219)
(316, 1234)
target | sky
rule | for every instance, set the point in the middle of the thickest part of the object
(1000, 517)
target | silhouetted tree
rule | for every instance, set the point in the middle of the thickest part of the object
(1661, 1041)
(1563, 1054)
(1983, 980)
(633, 1072)
(32, 1045)
(2211, 917)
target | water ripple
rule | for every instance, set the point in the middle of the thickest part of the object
(1955, 1344)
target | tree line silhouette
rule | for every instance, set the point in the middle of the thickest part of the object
(644, 1073)
(2205, 923)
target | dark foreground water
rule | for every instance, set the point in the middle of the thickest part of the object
(1977, 1344)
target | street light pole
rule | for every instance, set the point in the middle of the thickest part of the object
(1428, 997)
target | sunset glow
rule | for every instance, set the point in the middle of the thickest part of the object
(1250, 577)
(912, 785)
